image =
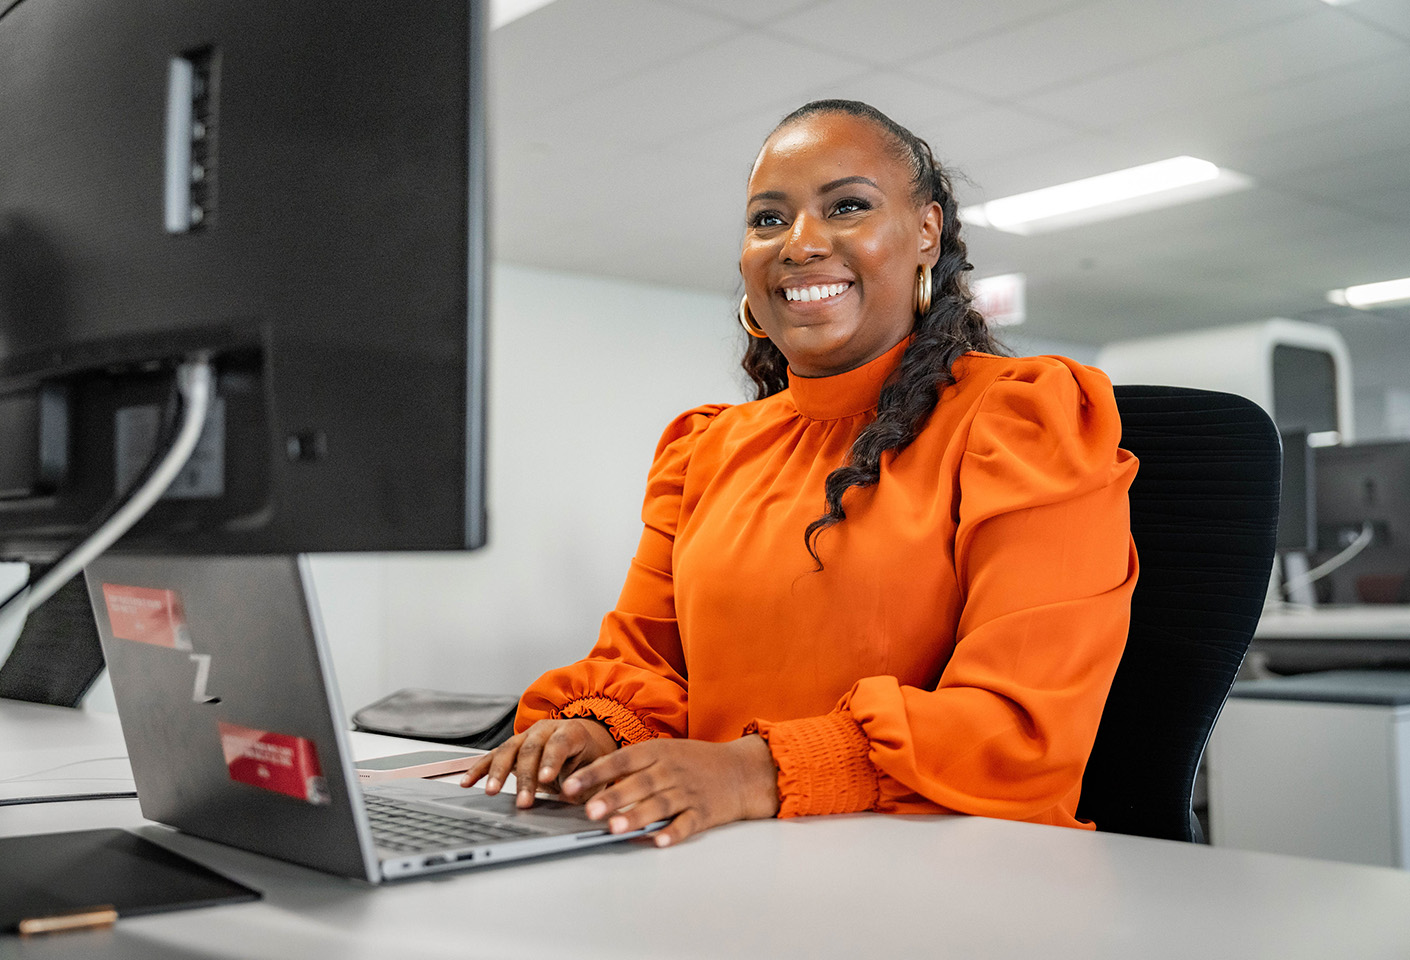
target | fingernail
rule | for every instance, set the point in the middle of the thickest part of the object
(663, 840)
(572, 785)
(491, 785)
(525, 798)
(545, 773)
(618, 824)
(596, 809)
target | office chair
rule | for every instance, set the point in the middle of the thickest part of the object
(57, 656)
(1204, 516)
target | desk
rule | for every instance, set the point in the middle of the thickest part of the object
(1301, 640)
(854, 886)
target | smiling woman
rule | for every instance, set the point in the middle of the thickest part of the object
(898, 580)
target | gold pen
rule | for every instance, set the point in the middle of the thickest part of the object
(85, 919)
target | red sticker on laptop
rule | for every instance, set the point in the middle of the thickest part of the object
(274, 761)
(147, 615)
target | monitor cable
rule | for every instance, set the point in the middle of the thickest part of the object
(195, 384)
(1362, 541)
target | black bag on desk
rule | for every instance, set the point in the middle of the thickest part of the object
(472, 720)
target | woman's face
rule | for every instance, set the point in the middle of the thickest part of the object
(832, 242)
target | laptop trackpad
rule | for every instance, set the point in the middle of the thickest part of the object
(503, 803)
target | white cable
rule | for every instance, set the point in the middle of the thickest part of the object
(1362, 541)
(194, 379)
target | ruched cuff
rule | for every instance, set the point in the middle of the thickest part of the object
(824, 764)
(626, 727)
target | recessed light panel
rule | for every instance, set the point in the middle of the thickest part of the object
(1121, 193)
(1372, 294)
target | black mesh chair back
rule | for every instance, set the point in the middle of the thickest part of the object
(1204, 515)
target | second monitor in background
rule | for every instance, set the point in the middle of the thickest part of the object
(1363, 490)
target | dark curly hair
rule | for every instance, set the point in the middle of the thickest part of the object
(950, 328)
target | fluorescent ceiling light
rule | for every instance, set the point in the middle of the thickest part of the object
(1134, 190)
(1371, 294)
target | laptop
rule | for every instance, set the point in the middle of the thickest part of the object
(225, 689)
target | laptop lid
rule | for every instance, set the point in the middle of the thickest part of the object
(229, 711)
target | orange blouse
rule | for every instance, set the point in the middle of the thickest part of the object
(955, 652)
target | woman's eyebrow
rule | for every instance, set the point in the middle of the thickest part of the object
(844, 181)
(774, 195)
(831, 185)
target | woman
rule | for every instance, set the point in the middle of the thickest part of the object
(900, 580)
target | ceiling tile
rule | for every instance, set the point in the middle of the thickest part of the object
(889, 34)
(1380, 174)
(906, 100)
(1076, 42)
(746, 11)
(1236, 66)
(735, 143)
(1279, 129)
(1391, 15)
(704, 89)
(992, 132)
(569, 48)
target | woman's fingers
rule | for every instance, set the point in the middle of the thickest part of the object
(611, 767)
(564, 745)
(503, 764)
(494, 765)
(694, 784)
(543, 754)
(632, 790)
(686, 823)
(476, 770)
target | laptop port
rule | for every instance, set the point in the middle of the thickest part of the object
(468, 855)
(435, 861)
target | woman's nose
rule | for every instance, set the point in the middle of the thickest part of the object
(806, 240)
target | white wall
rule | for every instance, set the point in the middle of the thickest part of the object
(585, 373)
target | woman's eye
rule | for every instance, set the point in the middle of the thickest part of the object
(766, 218)
(850, 205)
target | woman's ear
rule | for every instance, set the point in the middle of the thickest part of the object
(931, 223)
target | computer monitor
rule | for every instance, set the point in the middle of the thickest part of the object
(1358, 485)
(295, 188)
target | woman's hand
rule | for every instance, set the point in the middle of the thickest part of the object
(543, 754)
(699, 784)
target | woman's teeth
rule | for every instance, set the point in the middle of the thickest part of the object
(814, 293)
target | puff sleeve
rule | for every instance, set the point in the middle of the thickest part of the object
(634, 679)
(1046, 567)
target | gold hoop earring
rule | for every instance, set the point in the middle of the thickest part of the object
(923, 283)
(746, 320)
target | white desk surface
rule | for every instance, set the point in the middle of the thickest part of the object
(1390, 621)
(854, 886)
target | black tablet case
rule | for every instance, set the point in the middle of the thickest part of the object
(48, 874)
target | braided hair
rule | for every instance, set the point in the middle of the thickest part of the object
(950, 328)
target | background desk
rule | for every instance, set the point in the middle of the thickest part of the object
(856, 886)
(1331, 638)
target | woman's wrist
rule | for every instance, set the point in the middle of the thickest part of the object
(600, 734)
(761, 799)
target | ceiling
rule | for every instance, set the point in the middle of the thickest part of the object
(624, 131)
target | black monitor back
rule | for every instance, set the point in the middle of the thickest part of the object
(1366, 484)
(333, 263)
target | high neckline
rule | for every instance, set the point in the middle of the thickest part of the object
(845, 394)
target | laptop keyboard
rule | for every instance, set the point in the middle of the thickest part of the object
(405, 829)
